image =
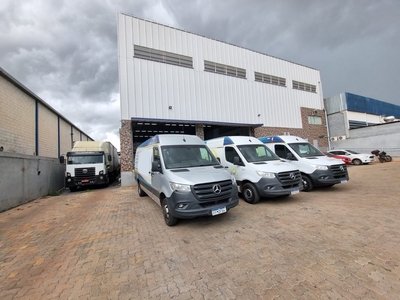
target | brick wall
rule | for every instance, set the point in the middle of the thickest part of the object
(17, 119)
(125, 133)
(48, 132)
(308, 131)
(18, 124)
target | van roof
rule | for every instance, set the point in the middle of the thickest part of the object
(230, 140)
(281, 139)
(173, 139)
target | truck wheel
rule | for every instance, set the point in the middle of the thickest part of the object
(307, 183)
(140, 191)
(250, 193)
(357, 162)
(168, 218)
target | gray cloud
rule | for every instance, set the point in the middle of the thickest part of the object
(66, 51)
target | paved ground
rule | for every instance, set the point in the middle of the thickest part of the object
(336, 243)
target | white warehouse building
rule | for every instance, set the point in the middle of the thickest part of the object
(173, 81)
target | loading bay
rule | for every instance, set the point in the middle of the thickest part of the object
(334, 243)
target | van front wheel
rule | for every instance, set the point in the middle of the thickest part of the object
(140, 191)
(307, 183)
(168, 218)
(250, 193)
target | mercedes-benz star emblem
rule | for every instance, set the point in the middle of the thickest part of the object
(84, 171)
(217, 189)
(292, 176)
(341, 168)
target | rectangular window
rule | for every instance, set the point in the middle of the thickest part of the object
(214, 67)
(314, 120)
(297, 85)
(270, 79)
(163, 56)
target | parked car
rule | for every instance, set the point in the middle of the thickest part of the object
(345, 159)
(356, 158)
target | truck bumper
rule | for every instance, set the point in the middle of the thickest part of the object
(96, 180)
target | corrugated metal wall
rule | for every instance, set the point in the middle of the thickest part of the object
(368, 105)
(149, 88)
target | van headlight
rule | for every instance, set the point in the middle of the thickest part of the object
(266, 174)
(179, 187)
(319, 167)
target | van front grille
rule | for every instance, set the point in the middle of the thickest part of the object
(339, 171)
(213, 191)
(290, 179)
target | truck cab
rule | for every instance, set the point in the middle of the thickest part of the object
(259, 173)
(316, 168)
(90, 163)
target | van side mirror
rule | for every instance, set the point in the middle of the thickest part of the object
(289, 156)
(156, 166)
(219, 160)
(61, 159)
(236, 161)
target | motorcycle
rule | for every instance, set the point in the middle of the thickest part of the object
(382, 156)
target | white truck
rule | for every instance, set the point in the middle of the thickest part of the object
(180, 173)
(316, 168)
(91, 163)
(259, 173)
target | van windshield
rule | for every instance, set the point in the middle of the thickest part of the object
(187, 156)
(257, 153)
(305, 150)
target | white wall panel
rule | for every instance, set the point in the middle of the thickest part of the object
(148, 88)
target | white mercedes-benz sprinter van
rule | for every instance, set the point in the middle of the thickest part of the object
(180, 173)
(258, 171)
(316, 168)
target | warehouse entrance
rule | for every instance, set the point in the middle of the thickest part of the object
(145, 129)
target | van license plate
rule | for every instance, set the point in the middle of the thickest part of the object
(343, 181)
(219, 210)
(85, 180)
(294, 192)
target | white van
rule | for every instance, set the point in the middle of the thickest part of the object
(316, 168)
(180, 173)
(258, 171)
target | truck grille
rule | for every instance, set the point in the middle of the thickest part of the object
(210, 191)
(339, 171)
(80, 173)
(289, 179)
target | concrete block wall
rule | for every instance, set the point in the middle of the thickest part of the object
(17, 119)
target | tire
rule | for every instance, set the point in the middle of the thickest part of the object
(73, 188)
(381, 159)
(307, 183)
(168, 218)
(357, 162)
(140, 191)
(388, 158)
(250, 193)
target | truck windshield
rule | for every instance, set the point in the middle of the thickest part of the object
(305, 150)
(257, 153)
(84, 159)
(187, 156)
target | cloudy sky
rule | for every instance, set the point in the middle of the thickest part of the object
(65, 51)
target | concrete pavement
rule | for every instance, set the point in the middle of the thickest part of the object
(337, 243)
